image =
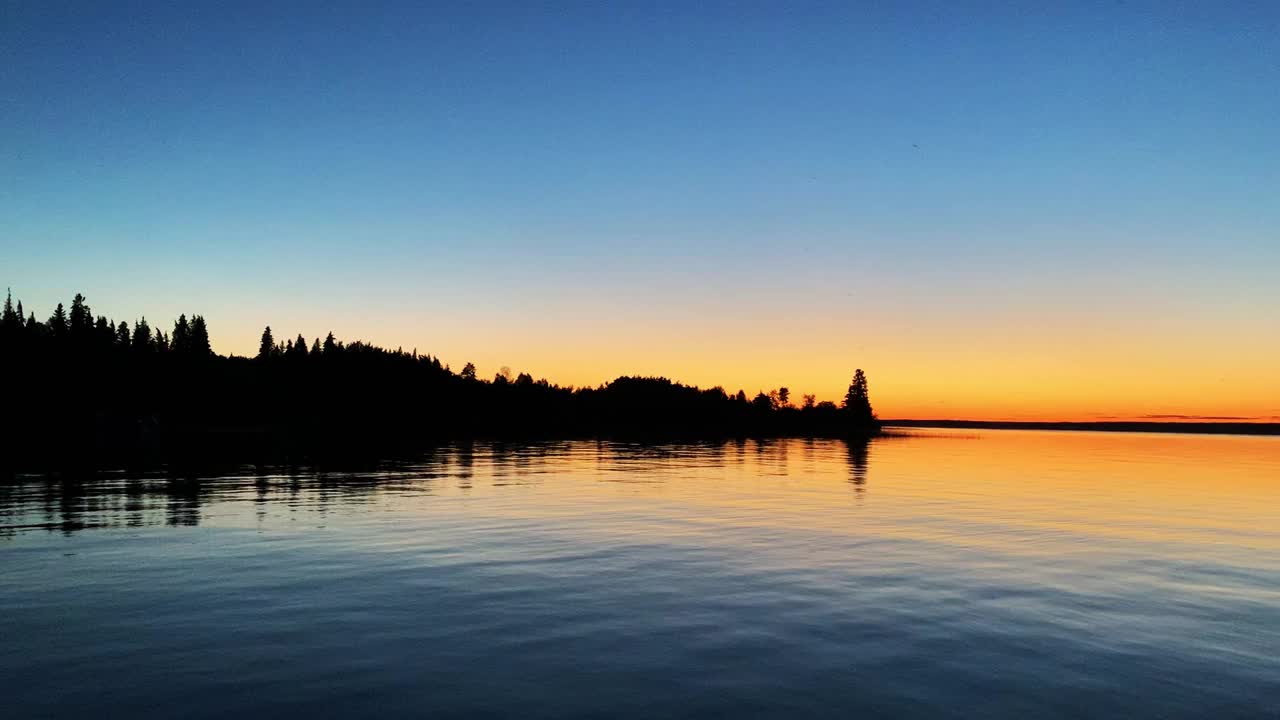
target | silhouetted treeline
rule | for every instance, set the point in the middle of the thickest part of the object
(90, 390)
(1216, 427)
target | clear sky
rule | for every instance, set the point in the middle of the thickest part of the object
(999, 210)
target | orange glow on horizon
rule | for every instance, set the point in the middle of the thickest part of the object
(1034, 363)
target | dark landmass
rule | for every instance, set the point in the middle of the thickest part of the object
(91, 393)
(1205, 428)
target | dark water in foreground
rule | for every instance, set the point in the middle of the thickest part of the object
(996, 573)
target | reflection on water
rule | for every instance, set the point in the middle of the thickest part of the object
(113, 500)
(996, 573)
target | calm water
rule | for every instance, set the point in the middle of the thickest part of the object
(996, 573)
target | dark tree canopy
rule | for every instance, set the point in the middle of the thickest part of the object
(199, 342)
(142, 335)
(857, 401)
(12, 319)
(58, 326)
(81, 319)
(267, 346)
(181, 336)
(125, 393)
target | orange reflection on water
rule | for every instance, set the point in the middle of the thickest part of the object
(1006, 493)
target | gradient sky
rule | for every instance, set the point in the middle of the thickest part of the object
(997, 211)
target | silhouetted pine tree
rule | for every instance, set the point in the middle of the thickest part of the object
(122, 335)
(181, 342)
(266, 346)
(12, 319)
(58, 322)
(857, 401)
(330, 344)
(142, 340)
(298, 348)
(104, 333)
(199, 340)
(80, 324)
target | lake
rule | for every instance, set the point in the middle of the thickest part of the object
(942, 574)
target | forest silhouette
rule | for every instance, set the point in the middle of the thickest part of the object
(87, 391)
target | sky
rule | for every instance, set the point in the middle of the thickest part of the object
(998, 210)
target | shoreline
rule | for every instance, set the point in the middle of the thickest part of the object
(1185, 428)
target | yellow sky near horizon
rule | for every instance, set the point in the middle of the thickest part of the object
(1000, 368)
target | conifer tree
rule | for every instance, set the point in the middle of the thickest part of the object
(58, 322)
(181, 342)
(267, 346)
(81, 320)
(122, 335)
(857, 400)
(200, 337)
(104, 332)
(142, 339)
(12, 319)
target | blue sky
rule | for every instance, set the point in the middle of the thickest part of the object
(445, 176)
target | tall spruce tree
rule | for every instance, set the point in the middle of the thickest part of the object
(181, 342)
(80, 323)
(200, 337)
(12, 319)
(58, 322)
(857, 401)
(104, 332)
(142, 340)
(267, 346)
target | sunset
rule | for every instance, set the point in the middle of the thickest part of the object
(1036, 214)
(580, 360)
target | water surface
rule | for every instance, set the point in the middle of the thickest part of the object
(996, 573)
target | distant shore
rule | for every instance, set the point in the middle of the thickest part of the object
(1199, 428)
